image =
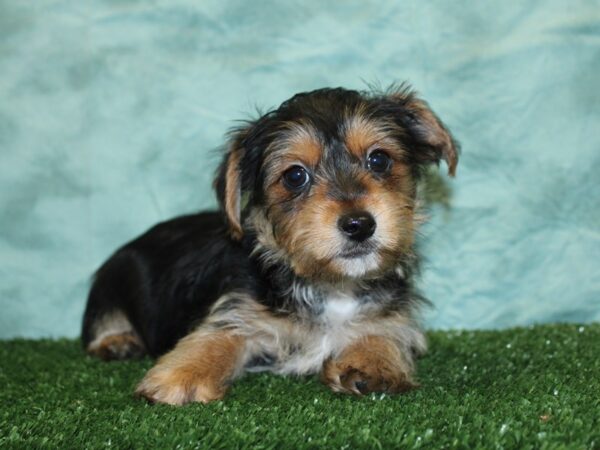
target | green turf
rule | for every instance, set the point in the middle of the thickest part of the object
(523, 388)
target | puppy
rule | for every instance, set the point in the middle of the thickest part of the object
(307, 268)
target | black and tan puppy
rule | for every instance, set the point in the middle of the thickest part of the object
(308, 267)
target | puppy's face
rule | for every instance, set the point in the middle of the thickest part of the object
(327, 182)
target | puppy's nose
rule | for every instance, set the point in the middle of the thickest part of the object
(358, 226)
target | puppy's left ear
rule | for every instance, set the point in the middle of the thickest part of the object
(431, 137)
(228, 183)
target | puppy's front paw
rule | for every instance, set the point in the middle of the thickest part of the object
(364, 379)
(199, 369)
(372, 365)
(179, 385)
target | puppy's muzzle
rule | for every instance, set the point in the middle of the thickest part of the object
(357, 226)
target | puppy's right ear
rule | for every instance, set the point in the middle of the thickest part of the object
(228, 183)
(433, 139)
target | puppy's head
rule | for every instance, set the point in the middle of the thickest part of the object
(326, 183)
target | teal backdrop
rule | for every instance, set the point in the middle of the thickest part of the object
(110, 112)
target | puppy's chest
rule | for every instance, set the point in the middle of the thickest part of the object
(326, 330)
(327, 307)
(338, 308)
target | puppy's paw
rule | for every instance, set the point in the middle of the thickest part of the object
(199, 369)
(179, 385)
(372, 365)
(117, 347)
(365, 379)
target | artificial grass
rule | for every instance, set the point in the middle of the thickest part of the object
(535, 387)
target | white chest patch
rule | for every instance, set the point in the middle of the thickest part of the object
(335, 328)
(339, 308)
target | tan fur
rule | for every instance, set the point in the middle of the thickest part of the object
(233, 194)
(297, 144)
(304, 145)
(117, 346)
(362, 135)
(198, 369)
(113, 337)
(372, 364)
(309, 234)
(435, 133)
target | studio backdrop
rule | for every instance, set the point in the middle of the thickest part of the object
(112, 112)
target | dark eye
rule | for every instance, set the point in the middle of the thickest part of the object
(379, 161)
(295, 177)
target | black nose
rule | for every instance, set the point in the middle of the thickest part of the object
(358, 226)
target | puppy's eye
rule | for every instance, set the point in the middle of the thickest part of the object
(379, 162)
(295, 177)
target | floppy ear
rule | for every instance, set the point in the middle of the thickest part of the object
(228, 184)
(431, 136)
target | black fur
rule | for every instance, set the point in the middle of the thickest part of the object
(167, 279)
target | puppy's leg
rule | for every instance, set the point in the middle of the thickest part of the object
(107, 330)
(372, 364)
(198, 369)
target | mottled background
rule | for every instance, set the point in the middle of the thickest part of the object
(110, 112)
